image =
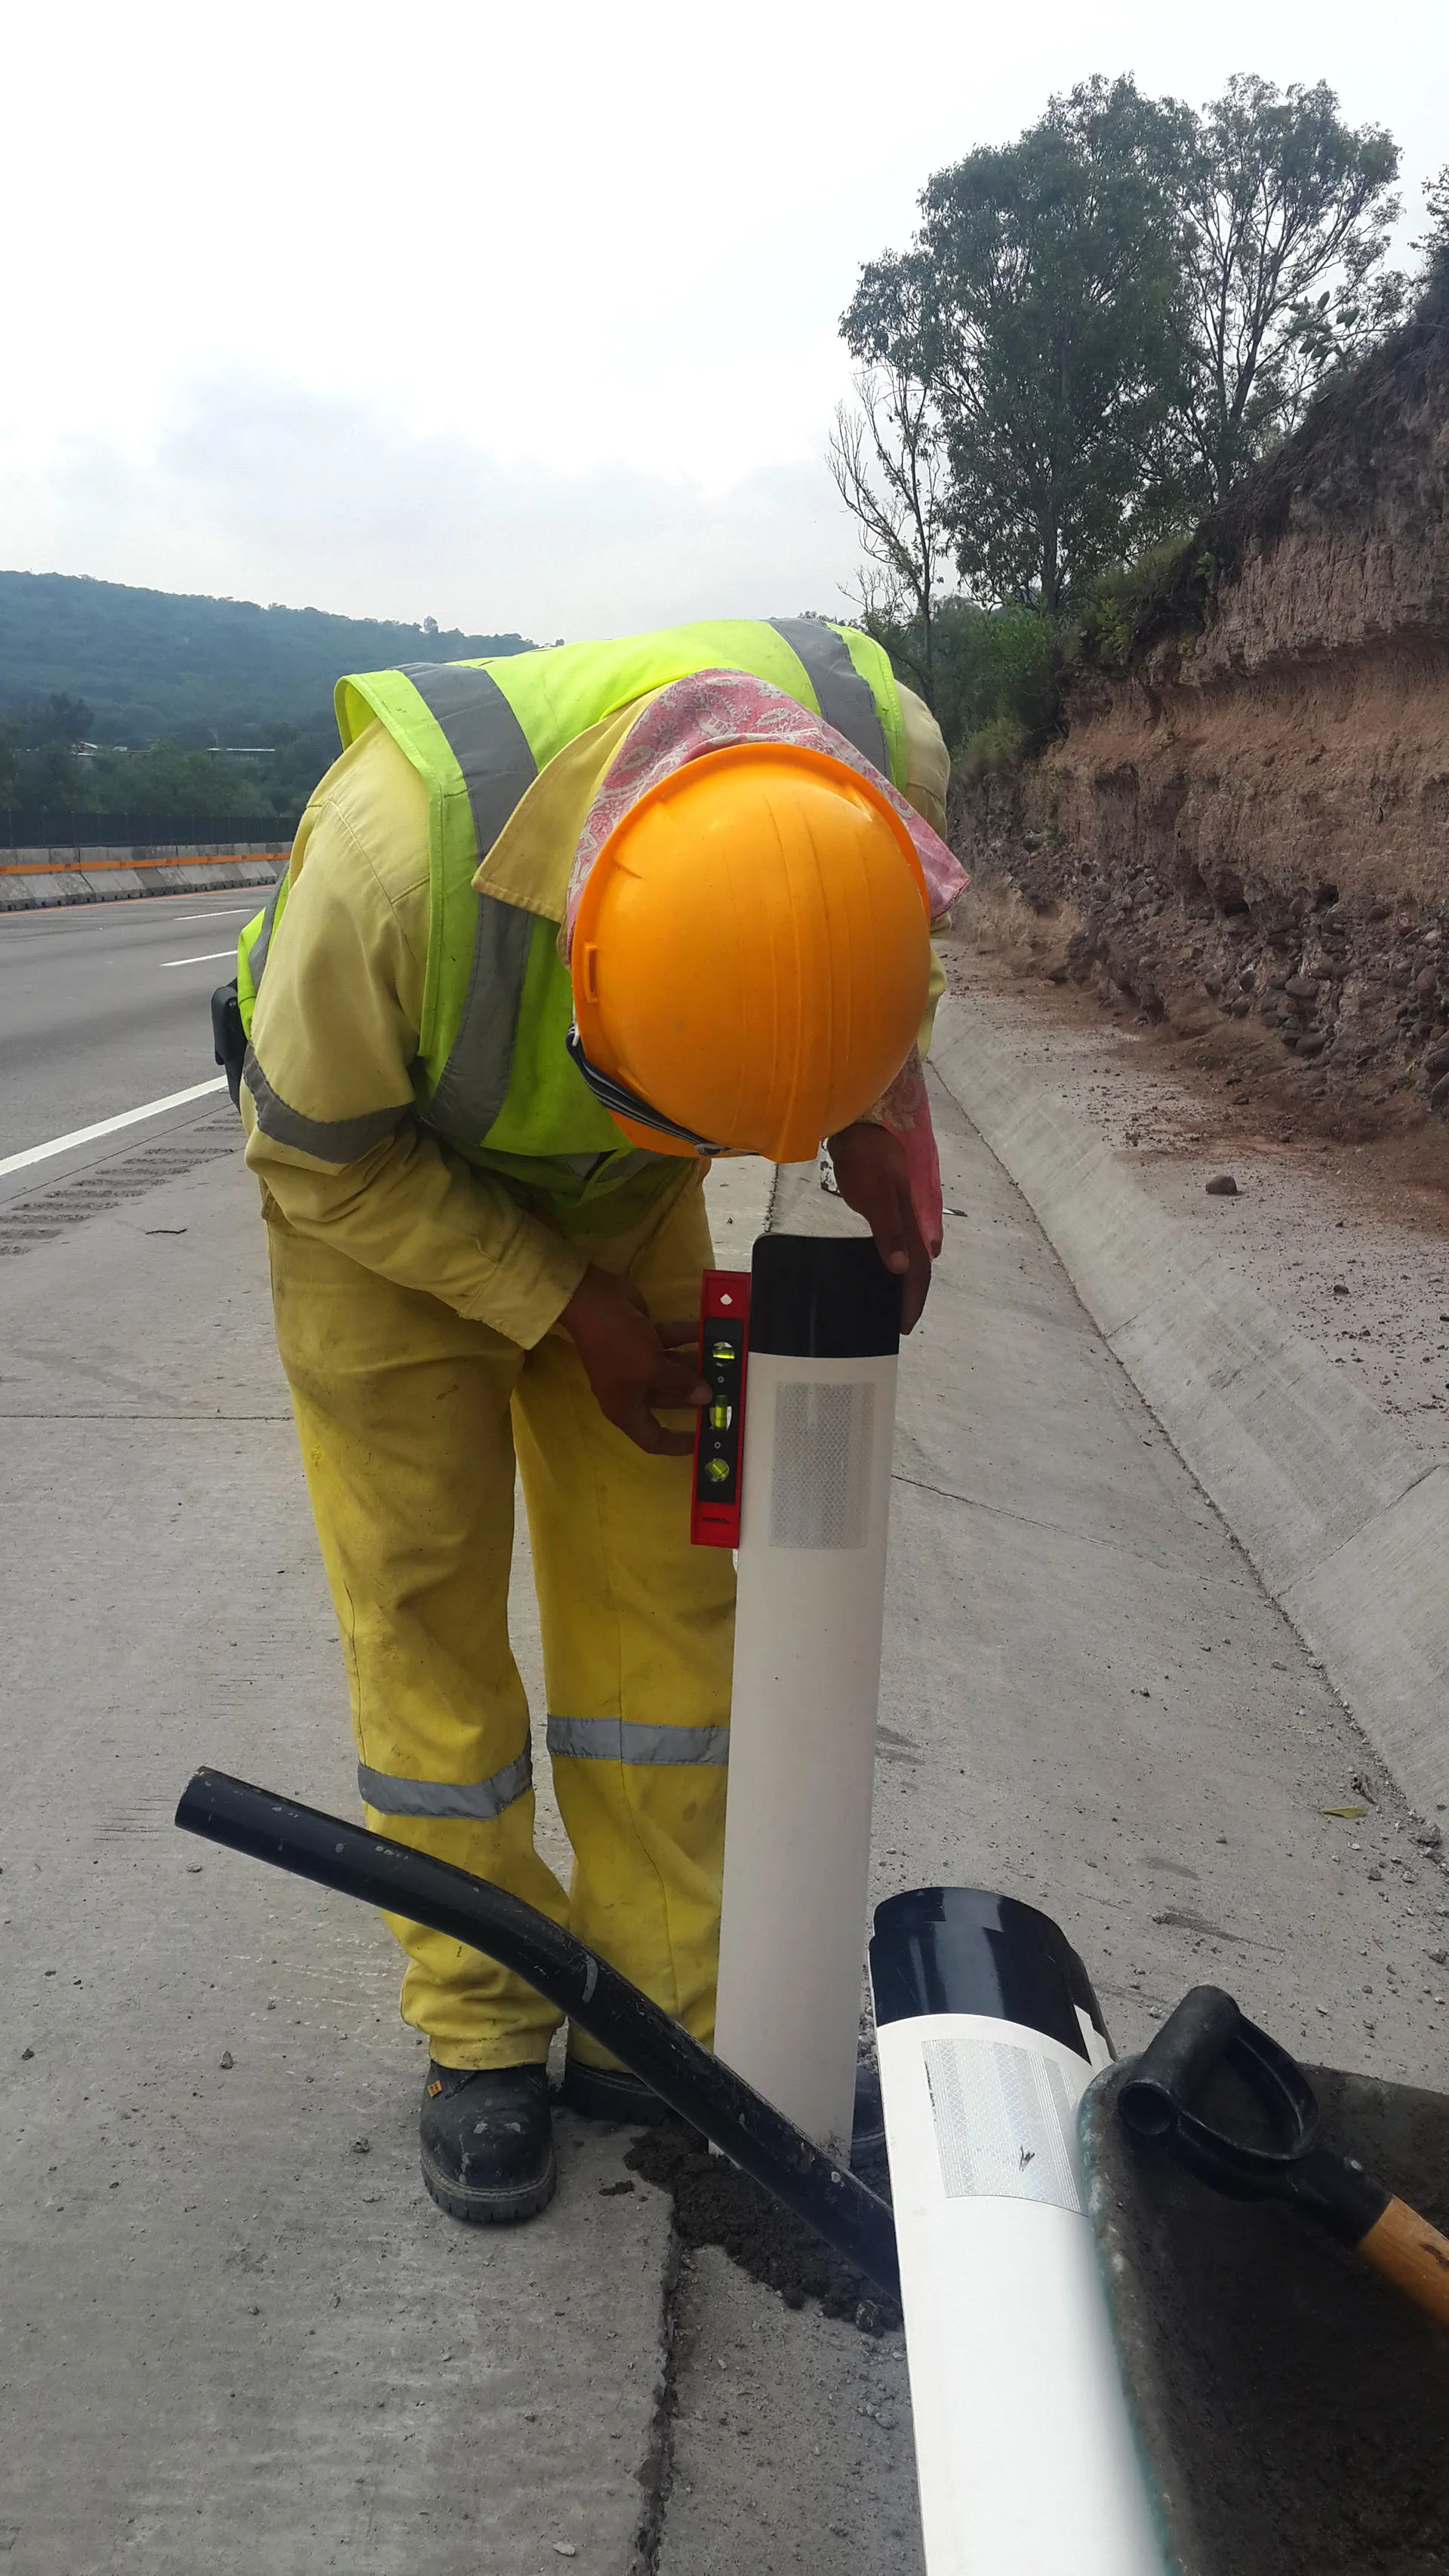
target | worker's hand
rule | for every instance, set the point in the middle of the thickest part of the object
(627, 1362)
(870, 1172)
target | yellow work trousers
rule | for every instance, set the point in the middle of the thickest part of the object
(412, 1421)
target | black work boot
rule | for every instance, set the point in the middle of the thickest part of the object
(487, 2143)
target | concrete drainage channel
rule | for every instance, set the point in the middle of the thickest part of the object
(1345, 1523)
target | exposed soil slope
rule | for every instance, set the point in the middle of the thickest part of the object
(1250, 815)
(1347, 1240)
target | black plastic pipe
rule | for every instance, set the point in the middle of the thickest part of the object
(695, 2083)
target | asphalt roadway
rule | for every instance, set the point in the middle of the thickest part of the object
(238, 2336)
(105, 1005)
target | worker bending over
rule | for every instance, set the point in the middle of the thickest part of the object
(558, 928)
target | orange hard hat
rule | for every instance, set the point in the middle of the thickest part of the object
(751, 954)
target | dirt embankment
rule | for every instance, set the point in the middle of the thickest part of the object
(1248, 819)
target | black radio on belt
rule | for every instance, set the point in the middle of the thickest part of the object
(724, 1314)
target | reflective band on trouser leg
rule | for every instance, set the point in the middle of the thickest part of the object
(402, 1412)
(480, 1799)
(637, 1622)
(609, 1739)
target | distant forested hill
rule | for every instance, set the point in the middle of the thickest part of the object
(152, 664)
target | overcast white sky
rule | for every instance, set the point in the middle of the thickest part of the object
(512, 316)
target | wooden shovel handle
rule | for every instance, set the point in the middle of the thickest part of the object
(1413, 2255)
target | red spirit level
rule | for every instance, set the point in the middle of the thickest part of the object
(724, 1315)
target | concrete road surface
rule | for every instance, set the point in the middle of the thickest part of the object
(238, 2336)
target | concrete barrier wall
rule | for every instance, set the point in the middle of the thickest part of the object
(1345, 1521)
(32, 880)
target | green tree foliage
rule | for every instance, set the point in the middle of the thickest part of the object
(1096, 329)
(58, 718)
(1434, 243)
(169, 678)
(165, 778)
(1037, 305)
(998, 678)
(994, 675)
(1287, 213)
(37, 751)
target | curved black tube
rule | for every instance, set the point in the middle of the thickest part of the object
(696, 2084)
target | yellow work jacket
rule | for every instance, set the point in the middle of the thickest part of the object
(339, 1010)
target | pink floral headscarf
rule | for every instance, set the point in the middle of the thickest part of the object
(707, 712)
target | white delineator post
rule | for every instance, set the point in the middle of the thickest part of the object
(989, 2033)
(819, 1422)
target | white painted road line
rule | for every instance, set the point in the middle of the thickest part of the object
(108, 1126)
(238, 912)
(208, 957)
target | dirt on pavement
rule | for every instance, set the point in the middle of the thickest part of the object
(1340, 1216)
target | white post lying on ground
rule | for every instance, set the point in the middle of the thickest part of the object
(815, 1488)
(989, 2033)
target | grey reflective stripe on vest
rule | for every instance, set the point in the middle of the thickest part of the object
(618, 1739)
(484, 736)
(846, 700)
(257, 953)
(473, 1084)
(624, 1165)
(491, 749)
(331, 1140)
(478, 1800)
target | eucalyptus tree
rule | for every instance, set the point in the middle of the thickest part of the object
(1038, 304)
(1287, 218)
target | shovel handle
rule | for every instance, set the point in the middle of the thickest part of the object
(1411, 2254)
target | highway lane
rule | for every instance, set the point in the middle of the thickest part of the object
(104, 1006)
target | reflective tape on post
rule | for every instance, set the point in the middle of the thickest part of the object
(819, 1423)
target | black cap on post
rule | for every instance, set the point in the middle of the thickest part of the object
(823, 1297)
(968, 1950)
